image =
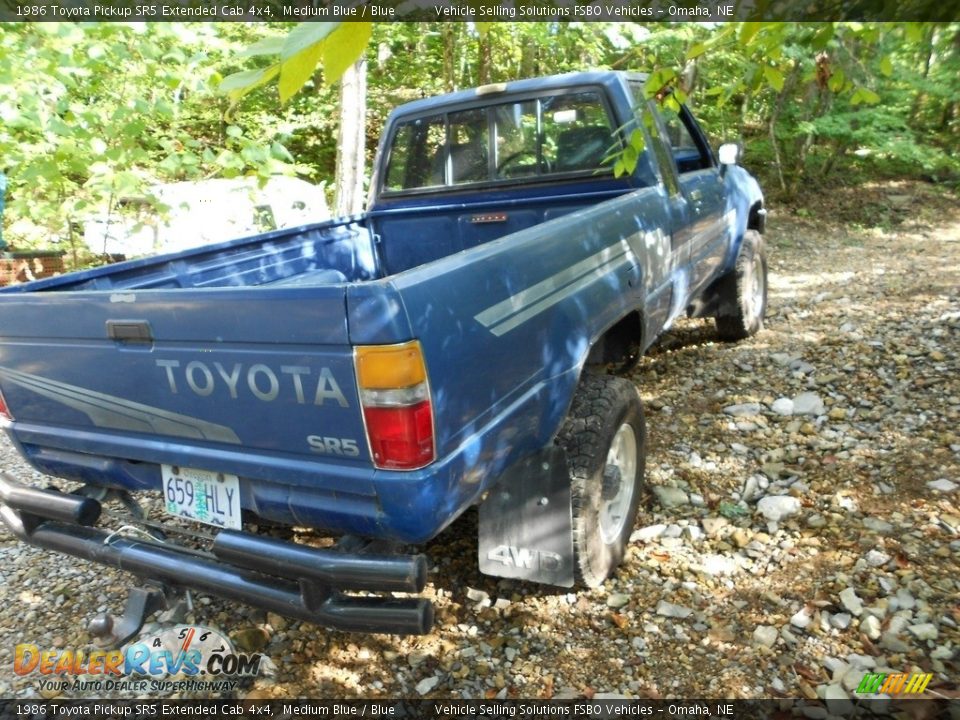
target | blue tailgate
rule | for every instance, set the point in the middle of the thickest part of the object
(237, 380)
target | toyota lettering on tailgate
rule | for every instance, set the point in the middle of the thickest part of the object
(258, 379)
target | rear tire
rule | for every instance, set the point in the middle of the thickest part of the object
(743, 292)
(604, 437)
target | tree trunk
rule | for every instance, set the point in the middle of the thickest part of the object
(485, 60)
(351, 140)
(447, 32)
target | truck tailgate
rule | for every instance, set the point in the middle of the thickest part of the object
(254, 372)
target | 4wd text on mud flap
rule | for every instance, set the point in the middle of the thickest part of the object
(259, 379)
(513, 556)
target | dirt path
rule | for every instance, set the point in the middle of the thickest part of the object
(714, 599)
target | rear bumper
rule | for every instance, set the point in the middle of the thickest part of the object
(281, 577)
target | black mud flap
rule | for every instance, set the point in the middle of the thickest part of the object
(526, 523)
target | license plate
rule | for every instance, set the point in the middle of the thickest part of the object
(209, 497)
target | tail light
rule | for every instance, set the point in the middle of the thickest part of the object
(5, 416)
(397, 409)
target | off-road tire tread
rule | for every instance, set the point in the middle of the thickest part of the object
(586, 438)
(730, 320)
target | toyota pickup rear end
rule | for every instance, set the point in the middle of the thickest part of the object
(374, 376)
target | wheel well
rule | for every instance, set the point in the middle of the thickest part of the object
(621, 344)
(757, 219)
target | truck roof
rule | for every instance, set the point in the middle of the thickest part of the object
(548, 82)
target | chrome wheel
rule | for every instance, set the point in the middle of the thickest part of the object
(754, 284)
(619, 478)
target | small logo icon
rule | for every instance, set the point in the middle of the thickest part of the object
(894, 683)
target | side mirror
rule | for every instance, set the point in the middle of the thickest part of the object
(729, 154)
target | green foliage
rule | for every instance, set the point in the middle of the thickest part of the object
(93, 112)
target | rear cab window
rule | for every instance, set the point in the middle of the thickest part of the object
(567, 134)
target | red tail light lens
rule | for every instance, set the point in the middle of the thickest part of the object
(397, 410)
(401, 437)
(5, 415)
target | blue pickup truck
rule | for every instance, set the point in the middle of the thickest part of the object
(375, 376)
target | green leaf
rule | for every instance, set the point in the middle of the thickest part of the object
(774, 78)
(914, 32)
(305, 36)
(836, 80)
(886, 66)
(295, 71)
(637, 141)
(697, 50)
(748, 31)
(239, 84)
(343, 48)
(234, 132)
(267, 46)
(658, 80)
(864, 95)
(822, 38)
(280, 152)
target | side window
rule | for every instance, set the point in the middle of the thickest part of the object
(468, 147)
(416, 157)
(542, 136)
(662, 153)
(517, 139)
(577, 133)
(687, 151)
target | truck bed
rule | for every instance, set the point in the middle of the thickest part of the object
(326, 253)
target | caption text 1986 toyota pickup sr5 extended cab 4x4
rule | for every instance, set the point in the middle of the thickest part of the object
(375, 376)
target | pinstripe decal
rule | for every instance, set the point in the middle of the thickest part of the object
(107, 411)
(517, 309)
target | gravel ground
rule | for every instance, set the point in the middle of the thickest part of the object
(802, 524)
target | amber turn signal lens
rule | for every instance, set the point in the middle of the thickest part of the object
(390, 367)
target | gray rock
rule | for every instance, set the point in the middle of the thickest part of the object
(875, 558)
(777, 507)
(617, 600)
(669, 496)
(646, 534)
(841, 621)
(877, 525)
(870, 626)
(816, 521)
(477, 596)
(782, 406)
(864, 662)
(427, 684)
(905, 600)
(924, 631)
(942, 485)
(808, 403)
(675, 611)
(801, 619)
(751, 488)
(837, 699)
(941, 652)
(893, 643)
(814, 712)
(673, 531)
(765, 635)
(850, 601)
(743, 410)
(712, 526)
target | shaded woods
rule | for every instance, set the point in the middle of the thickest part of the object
(97, 112)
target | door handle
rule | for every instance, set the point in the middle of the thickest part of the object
(129, 331)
